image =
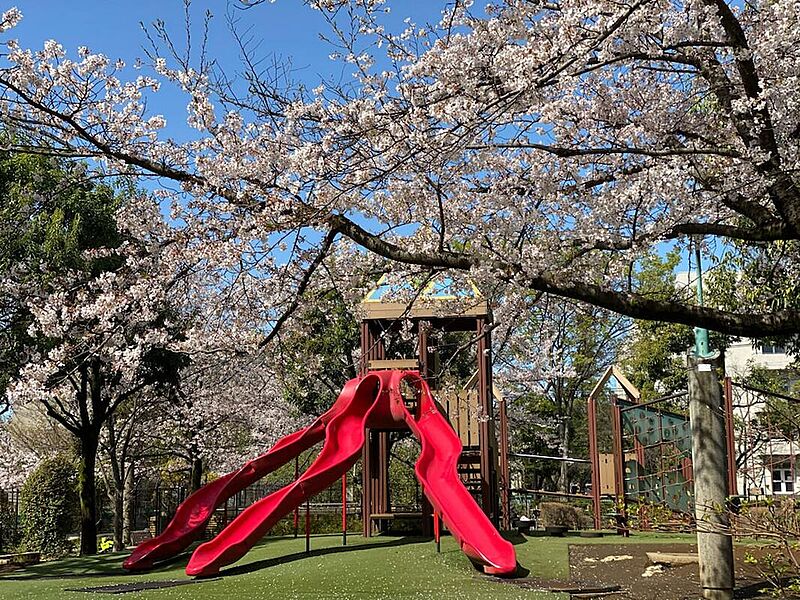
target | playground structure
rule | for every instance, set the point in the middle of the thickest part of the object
(462, 471)
(378, 401)
(649, 461)
(440, 307)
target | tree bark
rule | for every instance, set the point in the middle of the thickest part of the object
(196, 476)
(127, 507)
(714, 541)
(119, 544)
(87, 491)
(563, 479)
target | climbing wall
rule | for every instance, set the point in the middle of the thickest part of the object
(657, 445)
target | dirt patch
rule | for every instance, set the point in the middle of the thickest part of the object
(627, 566)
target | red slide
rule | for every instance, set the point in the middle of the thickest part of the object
(437, 472)
(372, 401)
(193, 514)
(344, 438)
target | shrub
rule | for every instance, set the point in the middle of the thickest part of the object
(558, 514)
(777, 521)
(49, 507)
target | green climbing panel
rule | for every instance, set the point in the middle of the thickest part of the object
(661, 442)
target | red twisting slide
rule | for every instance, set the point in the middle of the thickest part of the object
(371, 401)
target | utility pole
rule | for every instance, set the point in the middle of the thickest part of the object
(714, 540)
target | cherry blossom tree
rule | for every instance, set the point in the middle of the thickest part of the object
(538, 147)
(105, 337)
(542, 145)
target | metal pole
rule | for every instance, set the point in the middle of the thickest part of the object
(344, 509)
(296, 508)
(436, 534)
(700, 333)
(308, 527)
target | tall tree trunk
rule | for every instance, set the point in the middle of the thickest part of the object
(87, 490)
(115, 492)
(563, 478)
(119, 544)
(127, 506)
(196, 477)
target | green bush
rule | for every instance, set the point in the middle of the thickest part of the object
(49, 507)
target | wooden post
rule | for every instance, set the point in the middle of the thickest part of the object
(709, 449)
(426, 372)
(487, 470)
(594, 459)
(505, 483)
(619, 471)
(373, 476)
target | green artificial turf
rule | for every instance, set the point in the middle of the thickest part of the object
(376, 568)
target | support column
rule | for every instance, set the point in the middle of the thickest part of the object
(709, 447)
(485, 428)
(619, 471)
(505, 481)
(375, 485)
(426, 372)
(373, 496)
(594, 460)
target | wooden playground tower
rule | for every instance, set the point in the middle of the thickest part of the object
(483, 464)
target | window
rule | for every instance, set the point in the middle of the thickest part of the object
(782, 481)
(773, 349)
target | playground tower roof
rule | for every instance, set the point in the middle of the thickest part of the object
(439, 296)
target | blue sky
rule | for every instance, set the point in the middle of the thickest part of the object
(112, 27)
(287, 28)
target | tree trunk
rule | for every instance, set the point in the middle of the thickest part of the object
(127, 507)
(116, 492)
(714, 542)
(563, 478)
(119, 544)
(196, 477)
(87, 490)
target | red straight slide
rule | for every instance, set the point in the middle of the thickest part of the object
(344, 438)
(193, 514)
(437, 471)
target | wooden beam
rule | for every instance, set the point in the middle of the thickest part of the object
(408, 364)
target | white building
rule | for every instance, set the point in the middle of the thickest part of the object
(768, 461)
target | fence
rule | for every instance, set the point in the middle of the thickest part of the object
(153, 505)
(9, 520)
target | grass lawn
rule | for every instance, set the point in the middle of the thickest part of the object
(378, 568)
